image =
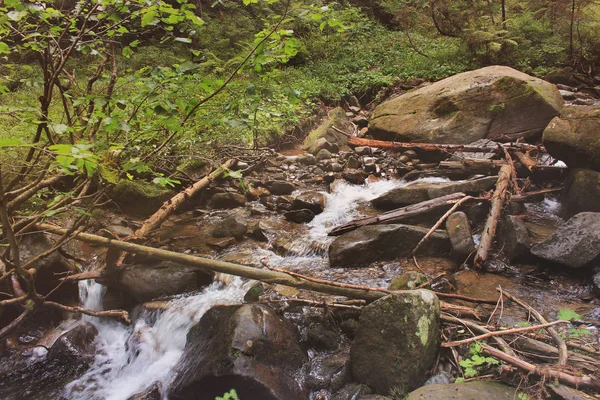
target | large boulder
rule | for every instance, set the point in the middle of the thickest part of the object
(574, 137)
(421, 191)
(371, 243)
(249, 348)
(582, 192)
(397, 341)
(575, 243)
(139, 198)
(465, 391)
(493, 102)
(336, 118)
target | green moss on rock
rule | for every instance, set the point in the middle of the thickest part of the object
(139, 198)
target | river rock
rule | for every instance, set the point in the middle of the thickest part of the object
(582, 192)
(355, 176)
(307, 159)
(139, 198)
(329, 371)
(477, 390)
(314, 201)
(574, 137)
(397, 341)
(227, 200)
(75, 346)
(353, 163)
(336, 118)
(249, 348)
(232, 226)
(459, 232)
(299, 216)
(279, 187)
(408, 281)
(491, 102)
(575, 243)
(513, 237)
(421, 191)
(164, 278)
(596, 281)
(321, 336)
(371, 243)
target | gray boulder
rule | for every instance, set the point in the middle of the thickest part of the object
(232, 226)
(574, 137)
(397, 341)
(249, 348)
(513, 237)
(371, 243)
(582, 192)
(314, 201)
(574, 244)
(459, 232)
(336, 118)
(477, 390)
(227, 200)
(494, 102)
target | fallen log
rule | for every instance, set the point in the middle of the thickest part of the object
(497, 203)
(444, 147)
(472, 166)
(400, 214)
(526, 160)
(175, 202)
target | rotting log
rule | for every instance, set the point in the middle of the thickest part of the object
(497, 203)
(400, 214)
(443, 147)
(472, 166)
(175, 202)
(526, 160)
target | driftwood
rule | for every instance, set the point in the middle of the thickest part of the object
(526, 160)
(497, 203)
(443, 147)
(472, 166)
(400, 214)
(173, 204)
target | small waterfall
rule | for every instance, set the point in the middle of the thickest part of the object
(131, 359)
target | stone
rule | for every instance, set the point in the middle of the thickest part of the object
(408, 281)
(337, 167)
(253, 294)
(322, 337)
(227, 200)
(355, 176)
(139, 198)
(459, 232)
(349, 327)
(421, 191)
(575, 243)
(279, 187)
(248, 347)
(299, 216)
(371, 243)
(361, 121)
(369, 164)
(307, 159)
(491, 102)
(582, 192)
(574, 137)
(255, 231)
(477, 390)
(314, 201)
(362, 150)
(76, 345)
(195, 168)
(323, 154)
(120, 230)
(513, 237)
(353, 163)
(232, 226)
(596, 282)
(336, 118)
(397, 341)
(328, 371)
(164, 278)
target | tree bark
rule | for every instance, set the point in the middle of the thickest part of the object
(355, 141)
(497, 203)
(400, 214)
(173, 204)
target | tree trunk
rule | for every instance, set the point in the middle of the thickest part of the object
(443, 147)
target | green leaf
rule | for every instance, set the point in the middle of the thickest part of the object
(10, 142)
(566, 314)
(59, 129)
(183, 40)
(4, 49)
(149, 15)
(126, 52)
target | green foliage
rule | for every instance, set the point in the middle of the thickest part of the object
(566, 314)
(476, 362)
(232, 394)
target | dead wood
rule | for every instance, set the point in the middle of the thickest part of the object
(443, 147)
(400, 214)
(497, 204)
(478, 328)
(529, 163)
(545, 350)
(472, 166)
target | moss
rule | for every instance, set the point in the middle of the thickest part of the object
(497, 107)
(423, 330)
(139, 197)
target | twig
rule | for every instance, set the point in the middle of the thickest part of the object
(429, 282)
(478, 328)
(115, 314)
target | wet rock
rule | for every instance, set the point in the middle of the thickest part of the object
(582, 192)
(323, 154)
(283, 203)
(151, 393)
(421, 191)
(459, 232)
(367, 244)
(369, 165)
(328, 371)
(352, 391)
(574, 137)
(397, 341)
(119, 230)
(139, 198)
(355, 176)
(227, 200)
(220, 243)
(494, 102)
(575, 243)
(361, 121)
(465, 391)
(32, 245)
(337, 167)
(255, 231)
(362, 150)
(75, 346)
(513, 237)
(314, 201)
(255, 193)
(349, 327)
(324, 144)
(322, 337)
(249, 348)
(232, 226)
(299, 216)
(352, 163)
(165, 278)
(253, 294)
(409, 280)
(307, 159)
(336, 118)
(278, 187)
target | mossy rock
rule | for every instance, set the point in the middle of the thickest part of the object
(582, 192)
(336, 118)
(195, 168)
(494, 102)
(139, 198)
(410, 280)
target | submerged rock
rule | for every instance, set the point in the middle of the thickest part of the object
(575, 243)
(491, 102)
(299, 216)
(383, 242)
(477, 390)
(336, 118)
(397, 341)
(314, 201)
(248, 347)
